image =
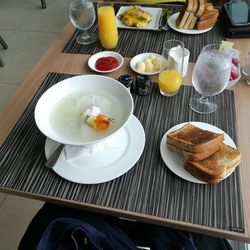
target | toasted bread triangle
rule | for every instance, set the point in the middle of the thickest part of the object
(217, 166)
(194, 139)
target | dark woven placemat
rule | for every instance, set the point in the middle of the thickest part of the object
(149, 187)
(134, 42)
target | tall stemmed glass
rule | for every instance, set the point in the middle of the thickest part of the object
(82, 15)
(210, 77)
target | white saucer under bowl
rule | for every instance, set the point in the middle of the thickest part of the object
(103, 165)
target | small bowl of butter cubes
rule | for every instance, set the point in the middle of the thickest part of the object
(146, 63)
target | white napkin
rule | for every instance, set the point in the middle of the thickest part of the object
(175, 58)
(72, 152)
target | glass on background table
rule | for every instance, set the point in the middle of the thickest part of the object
(82, 16)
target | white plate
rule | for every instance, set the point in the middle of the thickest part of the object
(172, 24)
(153, 25)
(175, 161)
(92, 60)
(141, 57)
(104, 165)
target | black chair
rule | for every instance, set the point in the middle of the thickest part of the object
(43, 2)
(5, 46)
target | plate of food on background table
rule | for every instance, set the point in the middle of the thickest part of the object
(194, 18)
(137, 17)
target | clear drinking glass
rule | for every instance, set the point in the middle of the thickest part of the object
(170, 77)
(82, 16)
(210, 77)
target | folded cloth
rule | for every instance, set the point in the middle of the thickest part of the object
(70, 234)
(72, 151)
(76, 155)
(234, 31)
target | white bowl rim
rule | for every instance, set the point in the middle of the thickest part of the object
(71, 142)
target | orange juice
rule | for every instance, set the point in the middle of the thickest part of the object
(169, 82)
(107, 27)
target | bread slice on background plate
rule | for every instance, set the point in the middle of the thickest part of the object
(217, 166)
(208, 18)
(208, 6)
(198, 13)
(209, 14)
(184, 14)
(191, 15)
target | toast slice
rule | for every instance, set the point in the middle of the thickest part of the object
(208, 6)
(198, 13)
(209, 14)
(189, 20)
(191, 15)
(189, 156)
(208, 17)
(217, 166)
(194, 139)
(206, 24)
(184, 14)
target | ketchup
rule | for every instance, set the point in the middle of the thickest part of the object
(106, 63)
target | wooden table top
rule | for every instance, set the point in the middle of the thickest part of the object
(55, 61)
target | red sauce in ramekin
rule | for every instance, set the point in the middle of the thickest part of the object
(106, 63)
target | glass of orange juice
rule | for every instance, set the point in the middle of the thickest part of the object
(170, 77)
(107, 28)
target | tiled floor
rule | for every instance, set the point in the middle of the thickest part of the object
(29, 30)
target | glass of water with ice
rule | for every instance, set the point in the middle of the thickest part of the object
(82, 15)
(210, 77)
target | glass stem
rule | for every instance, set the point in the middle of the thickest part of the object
(204, 99)
(85, 33)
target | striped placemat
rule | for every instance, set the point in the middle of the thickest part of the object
(134, 42)
(149, 187)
